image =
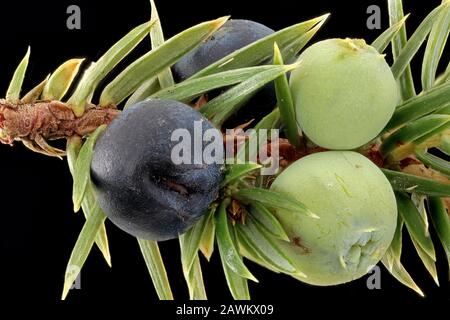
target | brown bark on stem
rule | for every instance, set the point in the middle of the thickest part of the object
(36, 123)
(49, 119)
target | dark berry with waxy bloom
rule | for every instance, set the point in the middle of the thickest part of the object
(137, 183)
(233, 35)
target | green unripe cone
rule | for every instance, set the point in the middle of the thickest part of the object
(344, 93)
(357, 210)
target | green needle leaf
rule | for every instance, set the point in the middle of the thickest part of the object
(13, 92)
(155, 265)
(195, 281)
(265, 246)
(223, 106)
(207, 241)
(271, 121)
(412, 46)
(248, 250)
(388, 35)
(61, 80)
(81, 175)
(394, 251)
(435, 47)
(89, 202)
(165, 78)
(262, 50)
(155, 61)
(267, 220)
(82, 248)
(34, 93)
(98, 70)
(399, 41)
(445, 76)
(157, 39)
(415, 224)
(87, 205)
(427, 261)
(404, 141)
(291, 51)
(227, 245)
(396, 244)
(286, 103)
(399, 272)
(411, 183)
(273, 199)
(391, 259)
(238, 285)
(237, 171)
(445, 145)
(192, 88)
(444, 110)
(441, 222)
(145, 90)
(190, 242)
(433, 162)
(429, 102)
(72, 150)
(419, 203)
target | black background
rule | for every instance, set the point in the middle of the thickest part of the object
(38, 228)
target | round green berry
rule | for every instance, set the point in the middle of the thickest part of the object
(344, 93)
(357, 210)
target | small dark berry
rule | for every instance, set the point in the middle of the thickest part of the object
(137, 183)
(233, 35)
